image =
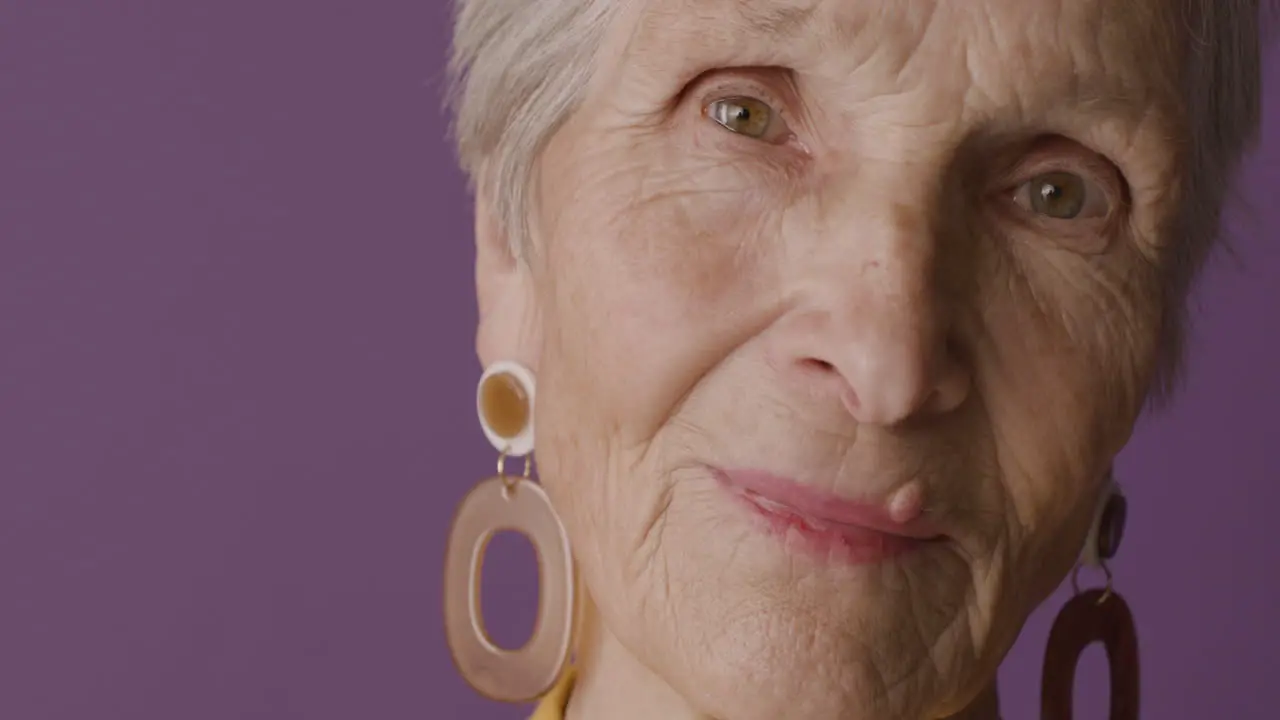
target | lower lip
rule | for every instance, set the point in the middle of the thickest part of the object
(838, 542)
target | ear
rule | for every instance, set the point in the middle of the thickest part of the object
(508, 325)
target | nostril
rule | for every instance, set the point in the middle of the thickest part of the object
(932, 400)
(819, 365)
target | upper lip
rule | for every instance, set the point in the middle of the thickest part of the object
(825, 506)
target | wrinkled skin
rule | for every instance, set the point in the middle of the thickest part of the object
(864, 299)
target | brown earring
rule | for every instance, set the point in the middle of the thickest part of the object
(505, 403)
(1096, 615)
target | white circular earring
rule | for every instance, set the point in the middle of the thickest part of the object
(505, 407)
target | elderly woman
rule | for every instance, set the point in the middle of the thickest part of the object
(838, 311)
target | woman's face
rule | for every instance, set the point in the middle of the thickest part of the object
(903, 254)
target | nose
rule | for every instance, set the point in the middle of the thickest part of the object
(877, 332)
(885, 374)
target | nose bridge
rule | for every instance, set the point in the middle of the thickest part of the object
(884, 330)
(901, 249)
(878, 235)
(889, 318)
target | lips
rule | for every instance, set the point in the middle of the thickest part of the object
(822, 523)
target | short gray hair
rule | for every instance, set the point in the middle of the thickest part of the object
(518, 69)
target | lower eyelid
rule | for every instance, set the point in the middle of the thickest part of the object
(1087, 236)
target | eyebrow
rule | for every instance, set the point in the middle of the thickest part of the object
(1097, 105)
(712, 33)
(782, 22)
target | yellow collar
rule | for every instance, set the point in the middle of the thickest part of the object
(553, 704)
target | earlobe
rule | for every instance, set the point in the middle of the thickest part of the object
(507, 327)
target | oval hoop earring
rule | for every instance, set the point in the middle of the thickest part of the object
(504, 404)
(1096, 615)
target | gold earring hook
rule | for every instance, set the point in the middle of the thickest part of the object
(1106, 591)
(508, 482)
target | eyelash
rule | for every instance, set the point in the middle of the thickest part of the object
(725, 90)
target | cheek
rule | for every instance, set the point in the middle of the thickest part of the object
(658, 263)
(655, 266)
(1067, 352)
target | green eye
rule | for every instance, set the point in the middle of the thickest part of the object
(743, 115)
(1059, 195)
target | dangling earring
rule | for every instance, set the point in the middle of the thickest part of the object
(504, 403)
(1097, 615)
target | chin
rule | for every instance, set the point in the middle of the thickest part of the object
(807, 678)
(785, 664)
(766, 630)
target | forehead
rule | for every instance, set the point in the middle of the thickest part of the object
(1102, 56)
(856, 24)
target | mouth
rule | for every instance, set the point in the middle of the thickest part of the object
(823, 524)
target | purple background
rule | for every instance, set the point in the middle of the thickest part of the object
(236, 387)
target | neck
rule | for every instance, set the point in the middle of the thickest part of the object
(612, 685)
